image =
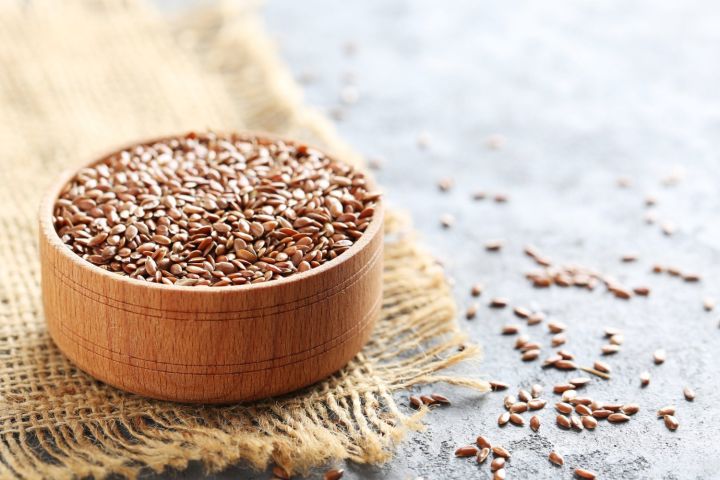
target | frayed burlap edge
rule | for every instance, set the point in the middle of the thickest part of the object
(56, 422)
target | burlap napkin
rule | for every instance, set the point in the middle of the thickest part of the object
(78, 77)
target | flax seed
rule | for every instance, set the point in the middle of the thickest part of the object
(415, 402)
(610, 349)
(524, 395)
(535, 318)
(483, 442)
(563, 421)
(445, 184)
(535, 423)
(629, 257)
(689, 394)
(671, 422)
(447, 220)
(334, 474)
(691, 277)
(493, 245)
(441, 399)
(585, 474)
(522, 312)
(483, 454)
(500, 474)
(659, 356)
(499, 302)
(669, 410)
(502, 452)
(564, 408)
(583, 409)
(537, 404)
(476, 290)
(556, 459)
(601, 413)
(642, 291)
(504, 418)
(630, 409)
(530, 355)
(565, 365)
(466, 451)
(471, 311)
(617, 418)
(536, 390)
(709, 304)
(644, 379)
(556, 327)
(602, 366)
(511, 329)
(589, 422)
(497, 464)
(496, 385)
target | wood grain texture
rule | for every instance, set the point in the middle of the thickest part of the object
(210, 344)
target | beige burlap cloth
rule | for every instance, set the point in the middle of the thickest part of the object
(79, 77)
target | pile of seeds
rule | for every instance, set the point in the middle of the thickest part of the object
(214, 210)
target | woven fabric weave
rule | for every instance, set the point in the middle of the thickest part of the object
(80, 77)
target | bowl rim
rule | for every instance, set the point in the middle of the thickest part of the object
(48, 228)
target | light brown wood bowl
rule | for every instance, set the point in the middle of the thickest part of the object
(210, 344)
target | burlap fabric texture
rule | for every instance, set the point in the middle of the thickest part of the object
(80, 77)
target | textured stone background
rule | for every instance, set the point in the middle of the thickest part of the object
(583, 92)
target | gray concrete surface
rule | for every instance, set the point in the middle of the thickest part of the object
(583, 92)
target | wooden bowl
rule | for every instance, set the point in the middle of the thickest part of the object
(210, 344)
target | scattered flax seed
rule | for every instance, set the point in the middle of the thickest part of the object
(498, 302)
(611, 331)
(620, 292)
(579, 382)
(530, 346)
(691, 277)
(630, 409)
(536, 390)
(674, 271)
(565, 355)
(658, 268)
(689, 394)
(558, 339)
(530, 355)
(629, 257)
(496, 385)
(601, 413)
(617, 418)
(589, 422)
(671, 422)
(483, 442)
(497, 464)
(511, 329)
(447, 220)
(556, 327)
(610, 349)
(650, 217)
(537, 404)
(502, 452)
(709, 304)
(563, 387)
(415, 402)
(501, 198)
(556, 459)
(493, 245)
(519, 407)
(668, 228)
(521, 341)
(479, 195)
(669, 410)
(522, 312)
(565, 365)
(476, 290)
(643, 291)
(650, 200)
(500, 474)
(602, 366)
(617, 339)
(213, 210)
(564, 408)
(466, 451)
(517, 420)
(334, 474)
(535, 423)
(524, 395)
(440, 399)
(585, 474)
(563, 421)
(659, 356)
(471, 311)
(427, 399)
(535, 318)
(576, 422)
(483, 455)
(644, 379)
(445, 184)
(568, 395)
(503, 418)
(623, 182)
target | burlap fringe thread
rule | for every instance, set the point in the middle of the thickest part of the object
(56, 422)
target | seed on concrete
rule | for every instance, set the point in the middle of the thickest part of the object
(522, 312)
(671, 422)
(493, 245)
(558, 339)
(689, 394)
(537, 404)
(565, 365)
(585, 474)
(535, 423)
(659, 356)
(562, 387)
(500, 474)
(518, 407)
(511, 329)
(642, 290)
(556, 458)
(530, 355)
(497, 464)
(476, 290)
(617, 418)
(601, 413)
(466, 451)
(564, 408)
(630, 409)
(610, 349)
(556, 327)
(602, 366)
(471, 311)
(504, 418)
(644, 379)
(524, 395)
(483, 442)
(669, 410)
(499, 451)
(579, 382)
(498, 302)
(709, 304)
(536, 390)
(589, 422)
(483, 454)
(563, 421)
(496, 385)
(583, 409)
(517, 420)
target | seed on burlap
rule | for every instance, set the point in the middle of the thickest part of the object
(556, 327)
(498, 302)
(415, 402)
(483, 442)
(471, 311)
(504, 418)
(497, 464)
(280, 472)
(556, 459)
(535, 423)
(511, 329)
(334, 474)
(493, 245)
(585, 474)
(671, 422)
(669, 410)
(441, 399)
(644, 379)
(502, 452)
(610, 349)
(483, 454)
(212, 210)
(659, 356)
(589, 422)
(522, 312)
(689, 394)
(466, 451)
(476, 290)
(524, 395)
(500, 474)
(630, 409)
(563, 421)
(618, 418)
(496, 385)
